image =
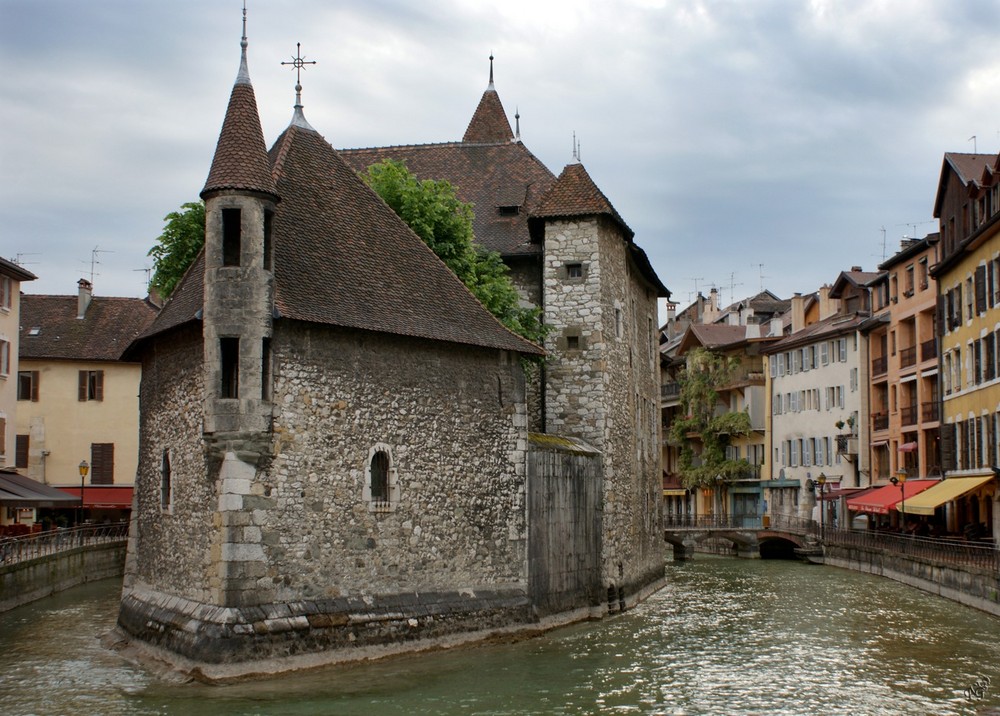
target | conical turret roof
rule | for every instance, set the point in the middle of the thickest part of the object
(240, 160)
(576, 194)
(489, 123)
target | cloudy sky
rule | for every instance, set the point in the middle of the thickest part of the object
(748, 143)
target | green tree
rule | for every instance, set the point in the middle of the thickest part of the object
(444, 223)
(178, 245)
(703, 425)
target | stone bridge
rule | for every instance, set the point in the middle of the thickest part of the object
(750, 534)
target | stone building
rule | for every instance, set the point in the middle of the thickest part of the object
(334, 445)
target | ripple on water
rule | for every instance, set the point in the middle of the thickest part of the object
(723, 637)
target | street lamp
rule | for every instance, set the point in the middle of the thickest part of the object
(821, 481)
(84, 469)
(901, 481)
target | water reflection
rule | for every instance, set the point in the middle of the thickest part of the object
(725, 637)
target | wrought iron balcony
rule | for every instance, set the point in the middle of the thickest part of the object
(880, 365)
(908, 357)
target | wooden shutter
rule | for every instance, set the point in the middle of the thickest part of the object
(102, 463)
(82, 386)
(947, 447)
(980, 282)
(940, 314)
(98, 385)
(34, 385)
(21, 452)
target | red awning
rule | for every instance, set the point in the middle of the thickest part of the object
(882, 499)
(113, 497)
(907, 447)
(846, 492)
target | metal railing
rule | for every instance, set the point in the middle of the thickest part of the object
(880, 365)
(880, 421)
(780, 522)
(908, 414)
(41, 544)
(928, 349)
(907, 357)
(930, 411)
(942, 550)
(670, 390)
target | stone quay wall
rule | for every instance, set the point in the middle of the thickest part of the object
(24, 582)
(973, 587)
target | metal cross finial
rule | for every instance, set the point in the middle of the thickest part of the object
(298, 62)
(243, 42)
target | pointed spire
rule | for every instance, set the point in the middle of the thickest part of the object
(240, 160)
(517, 124)
(299, 62)
(489, 123)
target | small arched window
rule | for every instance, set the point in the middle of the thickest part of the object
(380, 490)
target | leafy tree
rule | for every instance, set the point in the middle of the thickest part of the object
(444, 222)
(700, 381)
(178, 245)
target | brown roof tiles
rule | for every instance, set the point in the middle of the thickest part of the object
(240, 160)
(105, 331)
(576, 194)
(489, 122)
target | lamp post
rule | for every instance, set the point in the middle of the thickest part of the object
(901, 481)
(821, 482)
(84, 469)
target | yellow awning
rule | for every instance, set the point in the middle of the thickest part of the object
(944, 491)
(674, 493)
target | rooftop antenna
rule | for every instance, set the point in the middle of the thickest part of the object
(732, 286)
(883, 243)
(973, 140)
(696, 279)
(760, 274)
(94, 261)
(20, 262)
(148, 271)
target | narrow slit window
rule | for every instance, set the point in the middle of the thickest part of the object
(229, 355)
(265, 369)
(231, 237)
(380, 478)
(268, 223)
(165, 486)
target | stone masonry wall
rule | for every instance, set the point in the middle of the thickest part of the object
(602, 385)
(452, 421)
(173, 547)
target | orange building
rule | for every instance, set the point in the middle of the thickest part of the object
(904, 405)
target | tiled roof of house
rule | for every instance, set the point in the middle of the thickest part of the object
(489, 123)
(240, 160)
(9, 268)
(836, 325)
(968, 167)
(50, 328)
(503, 182)
(711, 335)
(185, 303)
(343, 257)
(576, 194)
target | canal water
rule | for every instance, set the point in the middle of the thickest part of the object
(725, 637)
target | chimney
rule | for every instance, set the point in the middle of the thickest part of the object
(712, 308)
(798, 313)
(753, 330)
(827, 305)
(83, 298)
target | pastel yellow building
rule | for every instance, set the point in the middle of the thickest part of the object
(11, 276)
(968, 280)
(78, 403)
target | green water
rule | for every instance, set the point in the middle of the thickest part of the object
(725, 636)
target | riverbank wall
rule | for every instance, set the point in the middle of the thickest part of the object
(974, 587)
(25, 581)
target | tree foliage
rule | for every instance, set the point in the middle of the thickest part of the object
(444, 223)
(182, 238)
(703, 425)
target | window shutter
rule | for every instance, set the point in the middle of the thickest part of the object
(980, 290)
(83, 386)
(102, 463)
(99, 385)
(34, 386)
(21, 452)
(939, 315)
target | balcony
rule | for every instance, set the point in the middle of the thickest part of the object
(670, 391)
(880, 421)
(880, 365)
(908, 414)
(928, 349)
(847, 445)
(930, 412)
(908, 357)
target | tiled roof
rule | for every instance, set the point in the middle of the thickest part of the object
(489, 123)
(576, 194)
(9, 268)
(833, 326)
(712, 335)
(343, 257)
(105, 331)
(488, 176)
(240, 160)
(184, 303)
